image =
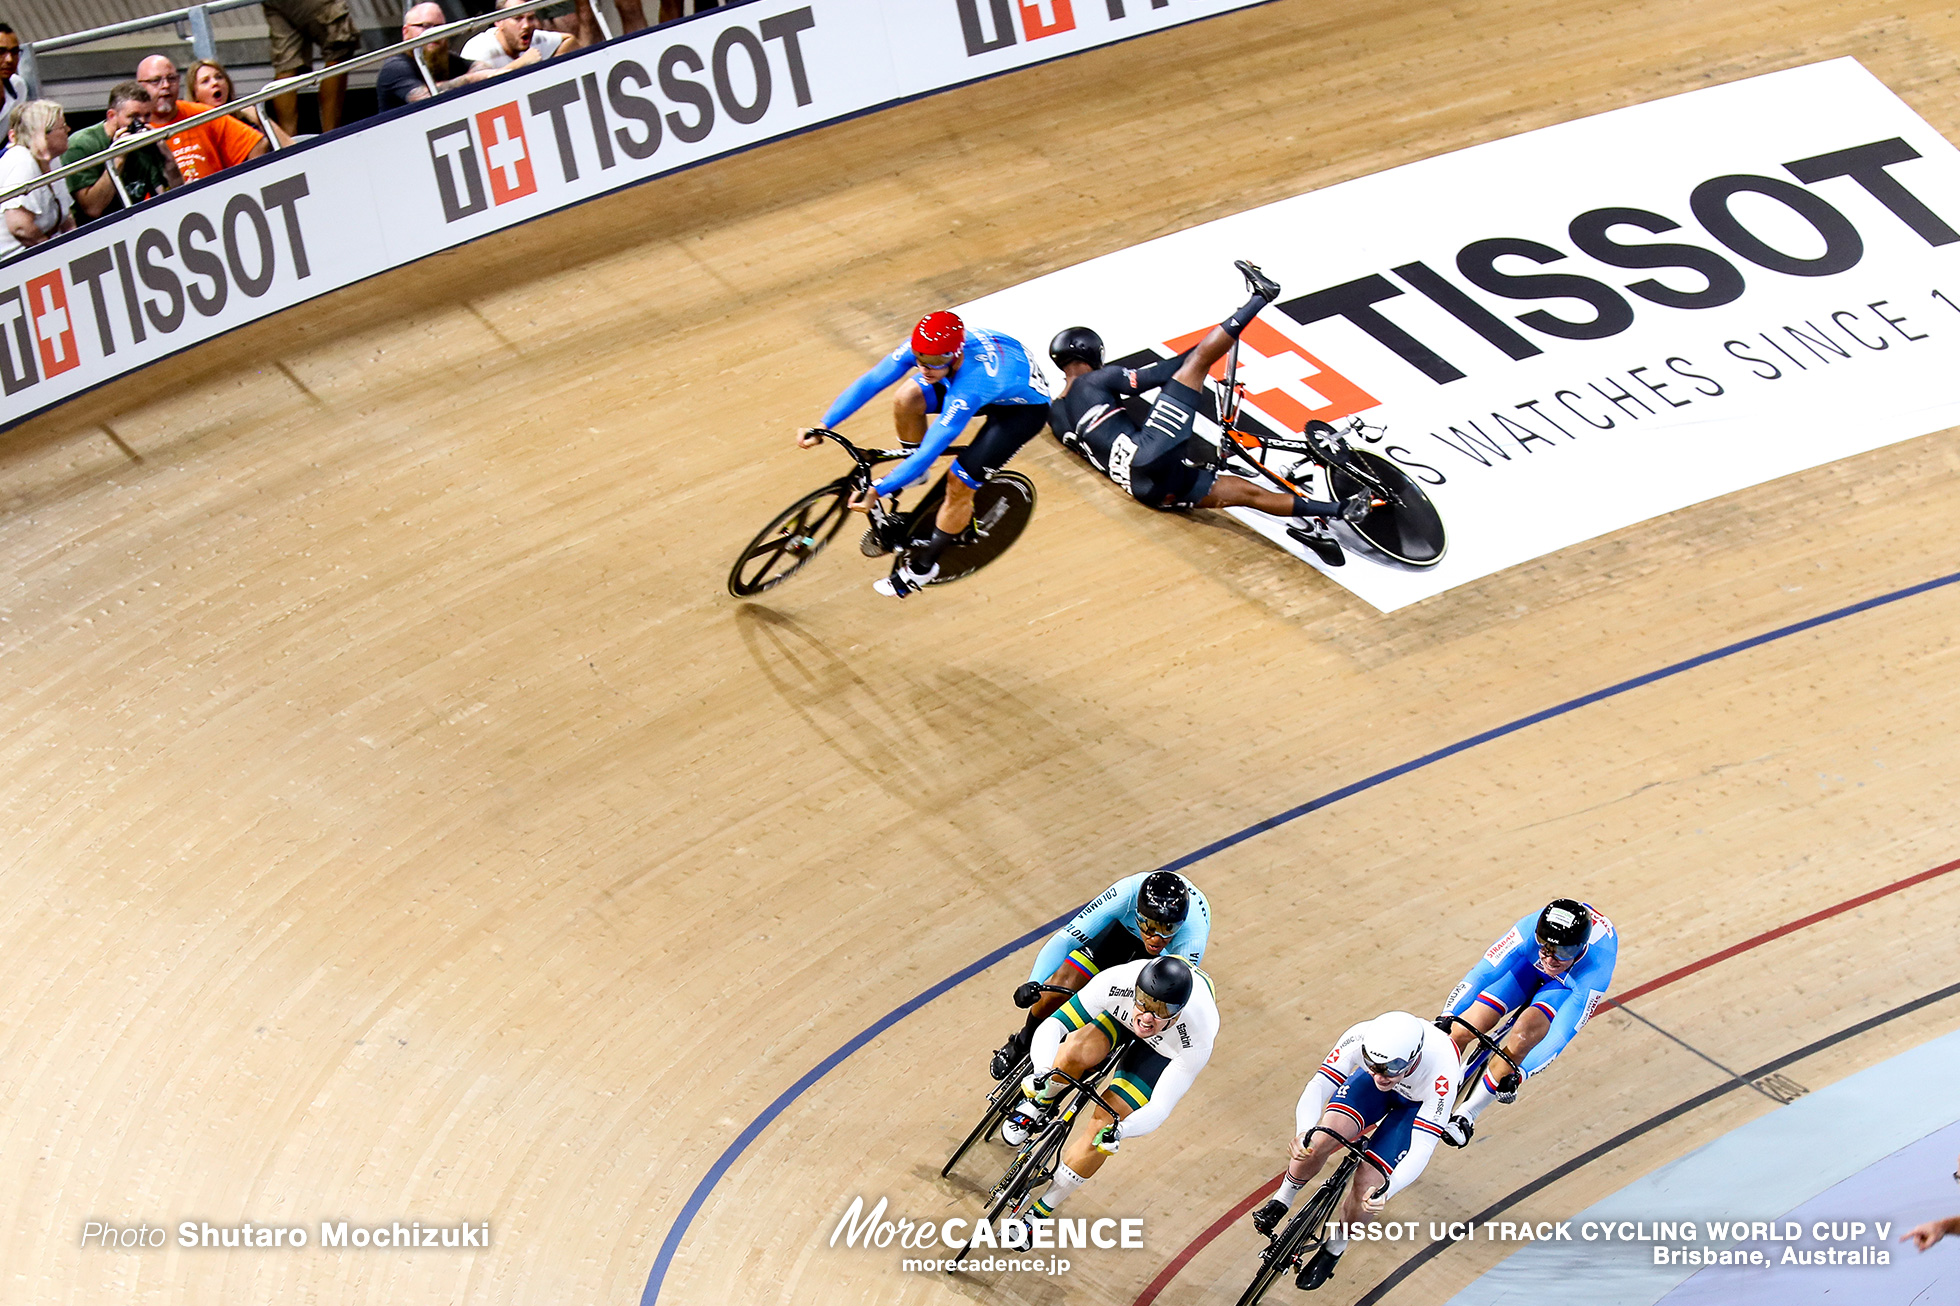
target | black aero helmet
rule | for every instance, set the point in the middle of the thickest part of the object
(1076, 345)
(1162, 898)
(1563, 928)
(1167, 981)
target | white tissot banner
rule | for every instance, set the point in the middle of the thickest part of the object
(141, 285)
(1587, 325)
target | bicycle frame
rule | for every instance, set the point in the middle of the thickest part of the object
(1250, 449)
(1488, 1047)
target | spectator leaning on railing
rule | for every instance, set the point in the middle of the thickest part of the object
(512, 38)
(295, 27)
(13, 89)
(38, 134)
(145, 173)
(400, 82)
(203, 150)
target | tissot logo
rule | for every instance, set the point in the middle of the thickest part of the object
(1284, 381)
(989, 24)
(54, 330)
(17, 370)
(506, 153)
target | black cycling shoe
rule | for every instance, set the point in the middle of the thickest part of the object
(1267, 1217)
(1008, 1055)
(1325, 547)
(1258, 282)
(1316, 1271)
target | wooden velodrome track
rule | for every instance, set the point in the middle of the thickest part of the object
(404, 823)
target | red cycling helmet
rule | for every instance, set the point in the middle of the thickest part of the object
(938, 334)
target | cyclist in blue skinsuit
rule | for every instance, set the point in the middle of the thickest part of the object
(963, 373)
(1139, 916)
(1558, 965)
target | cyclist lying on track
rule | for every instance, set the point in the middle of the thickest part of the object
(1163, 1016)
(1154, 464)
(1394, 1074)
(1560, 967)
(1138, 917)
(996, 382)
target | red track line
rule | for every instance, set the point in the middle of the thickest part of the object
(1231, 1217)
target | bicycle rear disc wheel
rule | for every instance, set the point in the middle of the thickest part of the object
(1407, 528)
(1001, 509)
(797, 534)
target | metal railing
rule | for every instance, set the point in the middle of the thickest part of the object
(158, 135)
(203, 44)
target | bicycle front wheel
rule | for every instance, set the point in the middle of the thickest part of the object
(1302, 1229)
(999, 1103)
(1407, 527)
(797, 534)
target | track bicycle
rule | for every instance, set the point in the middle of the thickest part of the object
(1035, 1160)
(1488, 1046)
(1403, 525)
(1004, 1095)
(800, 532)
(1305, 1231)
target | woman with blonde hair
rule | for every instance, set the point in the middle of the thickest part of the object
(210, 85)
(37, 134)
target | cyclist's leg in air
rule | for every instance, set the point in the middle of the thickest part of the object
(913, 407)
(1009, 426)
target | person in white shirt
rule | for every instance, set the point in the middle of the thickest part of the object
(1396, 1074)
(37, 136)
(1163, 1016)
(511, 37)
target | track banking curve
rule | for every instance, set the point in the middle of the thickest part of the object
(671, 1243)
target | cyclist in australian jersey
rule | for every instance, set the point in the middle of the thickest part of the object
(1160, 464)
(1136, 918)
(963, 373)
(1160, 1017)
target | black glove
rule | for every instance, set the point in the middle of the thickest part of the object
(1027, 995)
(1509, 1084)
(1445, 1022)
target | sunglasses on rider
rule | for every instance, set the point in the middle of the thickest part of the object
(1565, 952)
(937, 361)
(1155, 929)
(1391, 1069)
(1160, 1009)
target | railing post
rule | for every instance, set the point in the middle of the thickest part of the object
(30, 71)
(202, 43)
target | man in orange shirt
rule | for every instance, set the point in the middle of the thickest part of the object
(205, 149)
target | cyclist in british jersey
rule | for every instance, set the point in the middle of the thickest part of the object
(1392, 1074)
(1158, 463)
(1557, 965)
(1136, 918)
(963, 373)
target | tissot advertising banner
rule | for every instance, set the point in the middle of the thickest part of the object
(147, 283)
(1588, 325)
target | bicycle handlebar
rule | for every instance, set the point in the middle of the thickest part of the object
(1032, 993)
(1352, 1145)
(1488, 1043)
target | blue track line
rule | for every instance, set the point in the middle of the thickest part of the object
(755, 1127)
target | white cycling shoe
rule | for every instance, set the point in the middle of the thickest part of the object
(904, 580)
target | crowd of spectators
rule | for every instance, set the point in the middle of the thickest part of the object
(38, 139)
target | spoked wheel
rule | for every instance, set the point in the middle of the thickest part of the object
(999, 1103)
(1001, 509)
(798, 534)
(1407, 528)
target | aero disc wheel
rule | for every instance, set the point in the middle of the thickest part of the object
(1407, 528)
(1001, 509)
(798, 534)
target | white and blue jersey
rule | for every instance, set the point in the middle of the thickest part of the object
(1104, 933)
(994, 369)
(1509, 977)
